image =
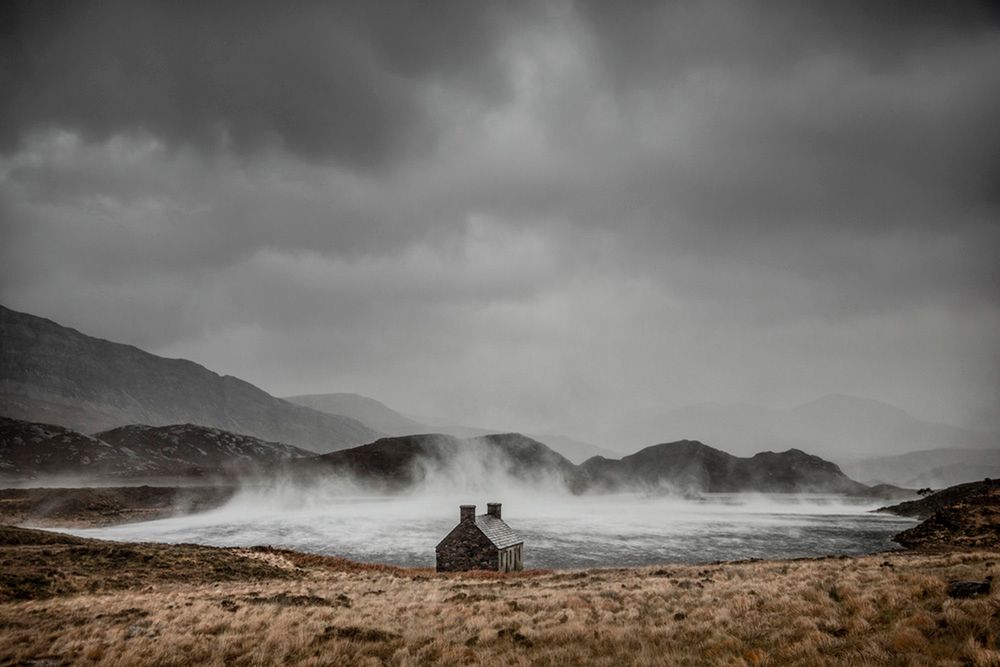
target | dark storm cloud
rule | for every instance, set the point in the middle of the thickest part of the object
(846, 145)
(648, 39)
(848, 103)
(531, 215)
(339, 81)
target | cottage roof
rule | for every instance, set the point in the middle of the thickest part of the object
(498, 532)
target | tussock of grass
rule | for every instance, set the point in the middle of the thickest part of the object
(37, 564)
(876, 610)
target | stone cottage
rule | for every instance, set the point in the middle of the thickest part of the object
(481, 542)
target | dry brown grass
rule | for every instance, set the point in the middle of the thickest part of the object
(877, 610)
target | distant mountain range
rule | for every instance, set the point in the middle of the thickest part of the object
(368, 411)
(845, 428)
(378, 416)
(934, 468)
(54, 374)
(686, 467)
(182, 451)
(689, 466)
(32, 451)
(809, 426)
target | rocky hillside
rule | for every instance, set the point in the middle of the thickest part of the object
(198, 448)
(31, 451)
(966, 515)
(689, 466)
(922, 508)
(57, 375)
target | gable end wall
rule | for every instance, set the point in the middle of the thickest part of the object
(466, 548)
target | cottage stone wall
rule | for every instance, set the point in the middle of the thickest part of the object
(466, 548)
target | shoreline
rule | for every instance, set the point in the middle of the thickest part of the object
(103, 506)
(100, 512)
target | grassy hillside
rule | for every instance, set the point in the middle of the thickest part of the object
(68, 600)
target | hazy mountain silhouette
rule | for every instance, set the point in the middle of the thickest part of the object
(934, 468)
(380, 417)
(839, 427)
(53, 374)
(368, 411)
(575, 450)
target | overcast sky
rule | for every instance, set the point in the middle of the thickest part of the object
(538, 216)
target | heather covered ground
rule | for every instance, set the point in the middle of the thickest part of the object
(69, 600)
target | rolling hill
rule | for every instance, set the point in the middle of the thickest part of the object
(57, 375)
(685, 467)
(30, 451)
(402, 462)
(688, 466)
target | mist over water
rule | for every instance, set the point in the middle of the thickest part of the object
(560, 530)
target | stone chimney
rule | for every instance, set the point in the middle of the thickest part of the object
(466, 512)
(493, 509)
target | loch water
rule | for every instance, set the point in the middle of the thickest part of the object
(560, 531)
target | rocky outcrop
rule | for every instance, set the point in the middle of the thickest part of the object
(970, 589)
(971, 493)
(966, 516)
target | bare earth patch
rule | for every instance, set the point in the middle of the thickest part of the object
(182, 605)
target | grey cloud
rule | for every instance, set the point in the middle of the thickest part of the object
(330, 81)
(649, 40)
(527, 216)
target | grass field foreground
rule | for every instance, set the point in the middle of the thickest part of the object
(66, 600)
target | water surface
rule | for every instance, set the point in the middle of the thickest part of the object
(560, 531)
